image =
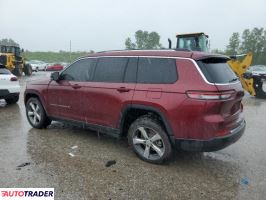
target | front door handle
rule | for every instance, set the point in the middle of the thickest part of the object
(76, 86)
(123, 89)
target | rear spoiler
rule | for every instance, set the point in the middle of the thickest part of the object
(214, 57)
(237, 56)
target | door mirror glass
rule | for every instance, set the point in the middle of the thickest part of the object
(55, 76)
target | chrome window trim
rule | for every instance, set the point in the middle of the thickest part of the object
(173, 57)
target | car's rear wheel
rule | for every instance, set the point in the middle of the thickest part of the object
(27, 69)
(12, 100)
(149, 140)
(36, 114)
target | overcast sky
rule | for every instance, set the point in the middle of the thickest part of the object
(49, 25)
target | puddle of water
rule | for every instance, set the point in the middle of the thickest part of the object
(2, 103)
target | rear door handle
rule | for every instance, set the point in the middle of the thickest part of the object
(76, 86)
(123, 89)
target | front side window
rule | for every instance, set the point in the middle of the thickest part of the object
(81, 70)
(17, 51)
(157, 70)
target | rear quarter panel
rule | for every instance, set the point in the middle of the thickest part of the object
(182, 114)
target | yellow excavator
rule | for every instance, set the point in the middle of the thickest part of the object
(11, 58)
(253, 84)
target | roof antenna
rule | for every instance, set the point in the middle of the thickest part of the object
(169, 43)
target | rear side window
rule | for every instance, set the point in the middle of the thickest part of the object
(217, 71)
(157, 70)
(110, 70)
(80, 71)
(131, 71)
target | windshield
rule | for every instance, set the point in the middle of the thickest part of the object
(11, 50)
(4, 71)
(194, 43)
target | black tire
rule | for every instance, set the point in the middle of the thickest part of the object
(140, 144)
(12, 100)
(17, 71)
(40, 122)
(27, 69)
(258, 86)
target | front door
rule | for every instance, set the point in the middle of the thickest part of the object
(66, 96)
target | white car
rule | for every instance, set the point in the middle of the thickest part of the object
(9, 86)
(37, 65)
(258, 70)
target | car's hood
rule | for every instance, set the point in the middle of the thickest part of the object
(258, 72)
(37, 65)
(42, 81)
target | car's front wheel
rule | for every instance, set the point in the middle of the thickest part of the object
(149, 140)
(36, 114)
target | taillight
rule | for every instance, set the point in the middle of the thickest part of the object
(13, 79)
(205, 95)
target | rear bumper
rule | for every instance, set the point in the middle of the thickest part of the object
(214, 144)
(6, 94)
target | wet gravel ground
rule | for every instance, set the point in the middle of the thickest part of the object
(73, 161)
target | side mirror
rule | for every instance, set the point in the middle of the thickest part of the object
(55, 76)
(22, 50)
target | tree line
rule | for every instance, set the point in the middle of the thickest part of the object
(53, 57)
(251, 40)
(8, 42)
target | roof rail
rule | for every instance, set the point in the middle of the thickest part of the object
(161, 49)
(181, 49)
(109, 51)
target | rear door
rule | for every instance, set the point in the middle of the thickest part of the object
(111, 89)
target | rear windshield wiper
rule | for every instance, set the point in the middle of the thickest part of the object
(233, 80)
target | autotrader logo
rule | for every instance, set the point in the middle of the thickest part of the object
(26, 193)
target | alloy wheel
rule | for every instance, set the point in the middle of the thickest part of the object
(34, 113)
(148, 143)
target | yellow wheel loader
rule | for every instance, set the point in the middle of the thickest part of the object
(253, 84)
(10, 58)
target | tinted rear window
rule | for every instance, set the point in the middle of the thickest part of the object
(4, 71)
(217, 71)
(157, 70)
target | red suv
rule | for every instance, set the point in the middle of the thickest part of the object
(159, 99)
